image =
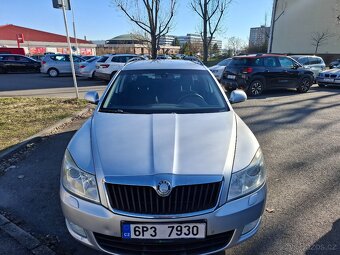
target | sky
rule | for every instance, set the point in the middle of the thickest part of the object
(101, 20)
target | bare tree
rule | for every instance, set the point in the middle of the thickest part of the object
(211, 13)
(235, 45)
(319, 39)
(151, 16)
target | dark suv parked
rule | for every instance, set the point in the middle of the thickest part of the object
(255, 73)
(12, 63)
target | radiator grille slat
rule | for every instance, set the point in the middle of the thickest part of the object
(145, 200)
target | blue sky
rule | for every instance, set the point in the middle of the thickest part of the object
(100, 19)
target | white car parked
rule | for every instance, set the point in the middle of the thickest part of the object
(108, 65)
(218, 69)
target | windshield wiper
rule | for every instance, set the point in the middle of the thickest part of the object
(115, 111)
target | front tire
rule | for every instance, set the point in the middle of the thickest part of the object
(53, 72)
(255, 88)
(304, 85)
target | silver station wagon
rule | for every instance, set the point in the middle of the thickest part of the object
(164, 165)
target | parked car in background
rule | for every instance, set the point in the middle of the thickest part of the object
(218, 69)
(163, 166)
(108, 65)
(56, 64)
(163, 56)
(329, 78)
(334, 64)
(88, 68)
(18, 51)
(314, 63)
(256, 73)
(13, 63)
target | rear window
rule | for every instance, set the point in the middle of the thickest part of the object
(246, 62)
(315, 61)
(103, 59)
(164, 91)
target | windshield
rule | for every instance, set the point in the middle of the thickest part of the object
(164, 91)
(224, 62)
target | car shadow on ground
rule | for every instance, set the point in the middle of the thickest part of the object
(329, 243)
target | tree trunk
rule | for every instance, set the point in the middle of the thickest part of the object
(316, 49)
(205, 33)
(153, 46)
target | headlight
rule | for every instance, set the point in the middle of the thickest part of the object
(77, 181)
(248, 179)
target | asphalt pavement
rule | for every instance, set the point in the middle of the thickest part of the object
(41, 85)
(298, 134)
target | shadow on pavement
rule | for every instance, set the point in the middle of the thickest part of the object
(329, 243)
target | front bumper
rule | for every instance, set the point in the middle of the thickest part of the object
(233, 217)
(328, 81)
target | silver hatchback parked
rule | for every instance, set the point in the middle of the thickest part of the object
(164, 165)
(56, 64)
(314, 63)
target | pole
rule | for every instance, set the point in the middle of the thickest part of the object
(70, 49)
(74, 31)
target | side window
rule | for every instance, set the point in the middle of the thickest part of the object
(22, 59)
(286, 62)
(2, 57)
(258, 62)
(270, 62)
(314, 61)
(115, 59)
(304, 61)
(58, 58)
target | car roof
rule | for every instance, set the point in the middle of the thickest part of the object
(260, 55)
(164, 64)
(304, 56)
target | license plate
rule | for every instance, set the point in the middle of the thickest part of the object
(163, 231)
(231, 77)
(328, 80)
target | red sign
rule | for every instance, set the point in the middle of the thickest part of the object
(20, 38)
(37, 51)
(63, 50)
(85, 51)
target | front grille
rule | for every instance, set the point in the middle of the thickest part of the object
(145, 200)
(164, 247)
(331, 75)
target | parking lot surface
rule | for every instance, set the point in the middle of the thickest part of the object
(37, 84)
(299, 137)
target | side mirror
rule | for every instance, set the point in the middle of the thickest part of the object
(92, 97)
(295, 66)
(237, 96)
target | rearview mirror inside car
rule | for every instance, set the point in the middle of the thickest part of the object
(92, 97)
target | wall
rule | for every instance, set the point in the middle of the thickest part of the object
(293, 30)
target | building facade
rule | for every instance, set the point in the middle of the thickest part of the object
(167, 40)
(38, 42)
(259, 36)
(133, 44)
(196, 39)
(298, 25)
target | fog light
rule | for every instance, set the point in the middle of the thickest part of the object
(249, 227)
(78, 230)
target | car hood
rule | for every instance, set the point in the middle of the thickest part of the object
(332, 71)
(150, 144)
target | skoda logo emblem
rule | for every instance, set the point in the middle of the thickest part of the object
(164, 188)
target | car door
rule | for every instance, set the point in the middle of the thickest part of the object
(316, 65)
(272, 71)
(77, 61)
(289, 76)
(24, 64)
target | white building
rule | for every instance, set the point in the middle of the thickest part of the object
(197, 39)
(296, 22)
(167, 40)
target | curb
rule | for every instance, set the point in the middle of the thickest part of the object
(24, 238)
(7, 152)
